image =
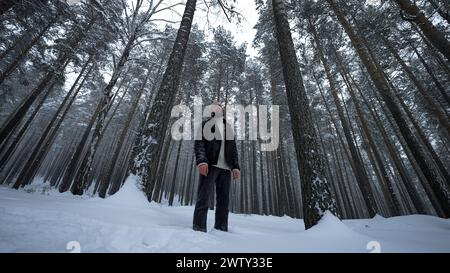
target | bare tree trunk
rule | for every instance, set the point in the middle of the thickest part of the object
(23, 51)
(423, 180)
(25, 105)
(383, 87)
(430, 102)
(316, 194)
(443, 11)
(47, 138)
(85, 169)
(174, 178)
(159, 114)
(360, 172)
(115, 186)
(433, 77)
(391, 197)
(436, 37)
(407, 180)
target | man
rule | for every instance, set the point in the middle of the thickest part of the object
(216, 159)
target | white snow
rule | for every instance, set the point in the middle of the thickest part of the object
(46, 221)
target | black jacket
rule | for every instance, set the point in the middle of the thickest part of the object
(207, 151)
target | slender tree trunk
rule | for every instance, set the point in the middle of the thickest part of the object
(393, 201)
(433, 77)
(426, 142)
(242, 181)
(360, 172)
(85, 170)
(443, 11)
(389, 98)
(23, 51)
(444, 65)
(423, 180)
(431, 104)
(254, 197)
(436, 37)
(115, 186)
(341, 182)
(189, 182)
(270, 206)
(25, 105)
(316, 194)
(47, 138)
(407, 180)
(159, 114)
(174, 178)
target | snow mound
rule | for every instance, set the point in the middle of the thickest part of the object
(329, 222)
(129, 195)
(378, 217)
(39, 186)
(332, 234)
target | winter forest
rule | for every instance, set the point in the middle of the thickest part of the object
(87, 88)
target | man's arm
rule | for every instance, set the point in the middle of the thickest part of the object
(200, 152)
(200, 156)
(236, 168)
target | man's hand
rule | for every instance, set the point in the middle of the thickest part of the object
(203, 169)
(236, 174)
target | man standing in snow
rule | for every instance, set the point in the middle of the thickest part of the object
(216, 159)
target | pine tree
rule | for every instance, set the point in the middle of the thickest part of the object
(316, 194)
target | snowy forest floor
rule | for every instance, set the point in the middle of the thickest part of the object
(126, 222)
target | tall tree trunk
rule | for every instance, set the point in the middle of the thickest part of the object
(421, 177)
(270, 206)
(47, 138)
(341, 181)
(24, 50)
(442, 168)
(385, 91)
(8, 147)
(112, 162)
(85, 170)
(443, 11)
(444, 65)
(159, 115)
(162, 168)
(431, 104)
(25, 105)
(255, 196)
(392, 200)
(360, 172)
(137, 142)
(315, 192)
(431, 73)
(407, 180)
(436, 37)
(174, 178)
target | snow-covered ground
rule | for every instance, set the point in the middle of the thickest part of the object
(126, 222)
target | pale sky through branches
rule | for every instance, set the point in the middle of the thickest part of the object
(207, 20)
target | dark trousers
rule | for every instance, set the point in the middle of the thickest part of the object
(222, 179)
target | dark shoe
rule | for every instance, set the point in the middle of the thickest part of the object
(197, 228)
(224, 229)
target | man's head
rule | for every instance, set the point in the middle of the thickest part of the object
(217, 108)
